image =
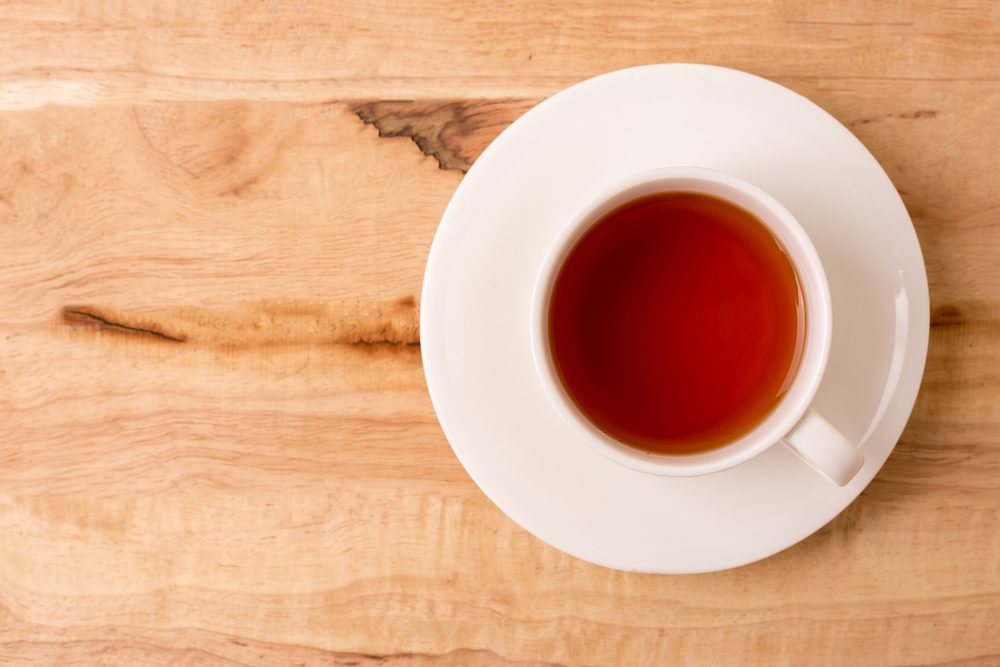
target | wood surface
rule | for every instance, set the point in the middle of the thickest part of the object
(217, 446)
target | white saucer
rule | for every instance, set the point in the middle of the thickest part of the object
(489, 247)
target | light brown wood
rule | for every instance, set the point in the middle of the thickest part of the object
(217, 445)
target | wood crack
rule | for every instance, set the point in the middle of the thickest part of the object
(424, 129)
(909, 115)
(453, 133)
(80, 314)
(359, 323)
(386, 341)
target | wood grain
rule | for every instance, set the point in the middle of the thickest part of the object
(217, 446)
(312, 50)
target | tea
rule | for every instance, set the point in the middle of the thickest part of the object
(676, 322)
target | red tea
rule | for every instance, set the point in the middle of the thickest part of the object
(676, 322)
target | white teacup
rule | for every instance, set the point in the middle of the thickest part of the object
(792, 421)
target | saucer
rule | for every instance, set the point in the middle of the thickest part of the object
(514, 202)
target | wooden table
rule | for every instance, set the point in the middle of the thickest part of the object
(217, 445)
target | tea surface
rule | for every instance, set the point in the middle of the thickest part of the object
(676, 322)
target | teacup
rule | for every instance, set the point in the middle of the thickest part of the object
(791, 420)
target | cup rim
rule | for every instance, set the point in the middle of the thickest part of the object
(816, 347)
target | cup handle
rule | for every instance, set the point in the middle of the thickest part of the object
(824, 448)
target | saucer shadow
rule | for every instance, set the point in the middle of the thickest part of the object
(915, 462)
